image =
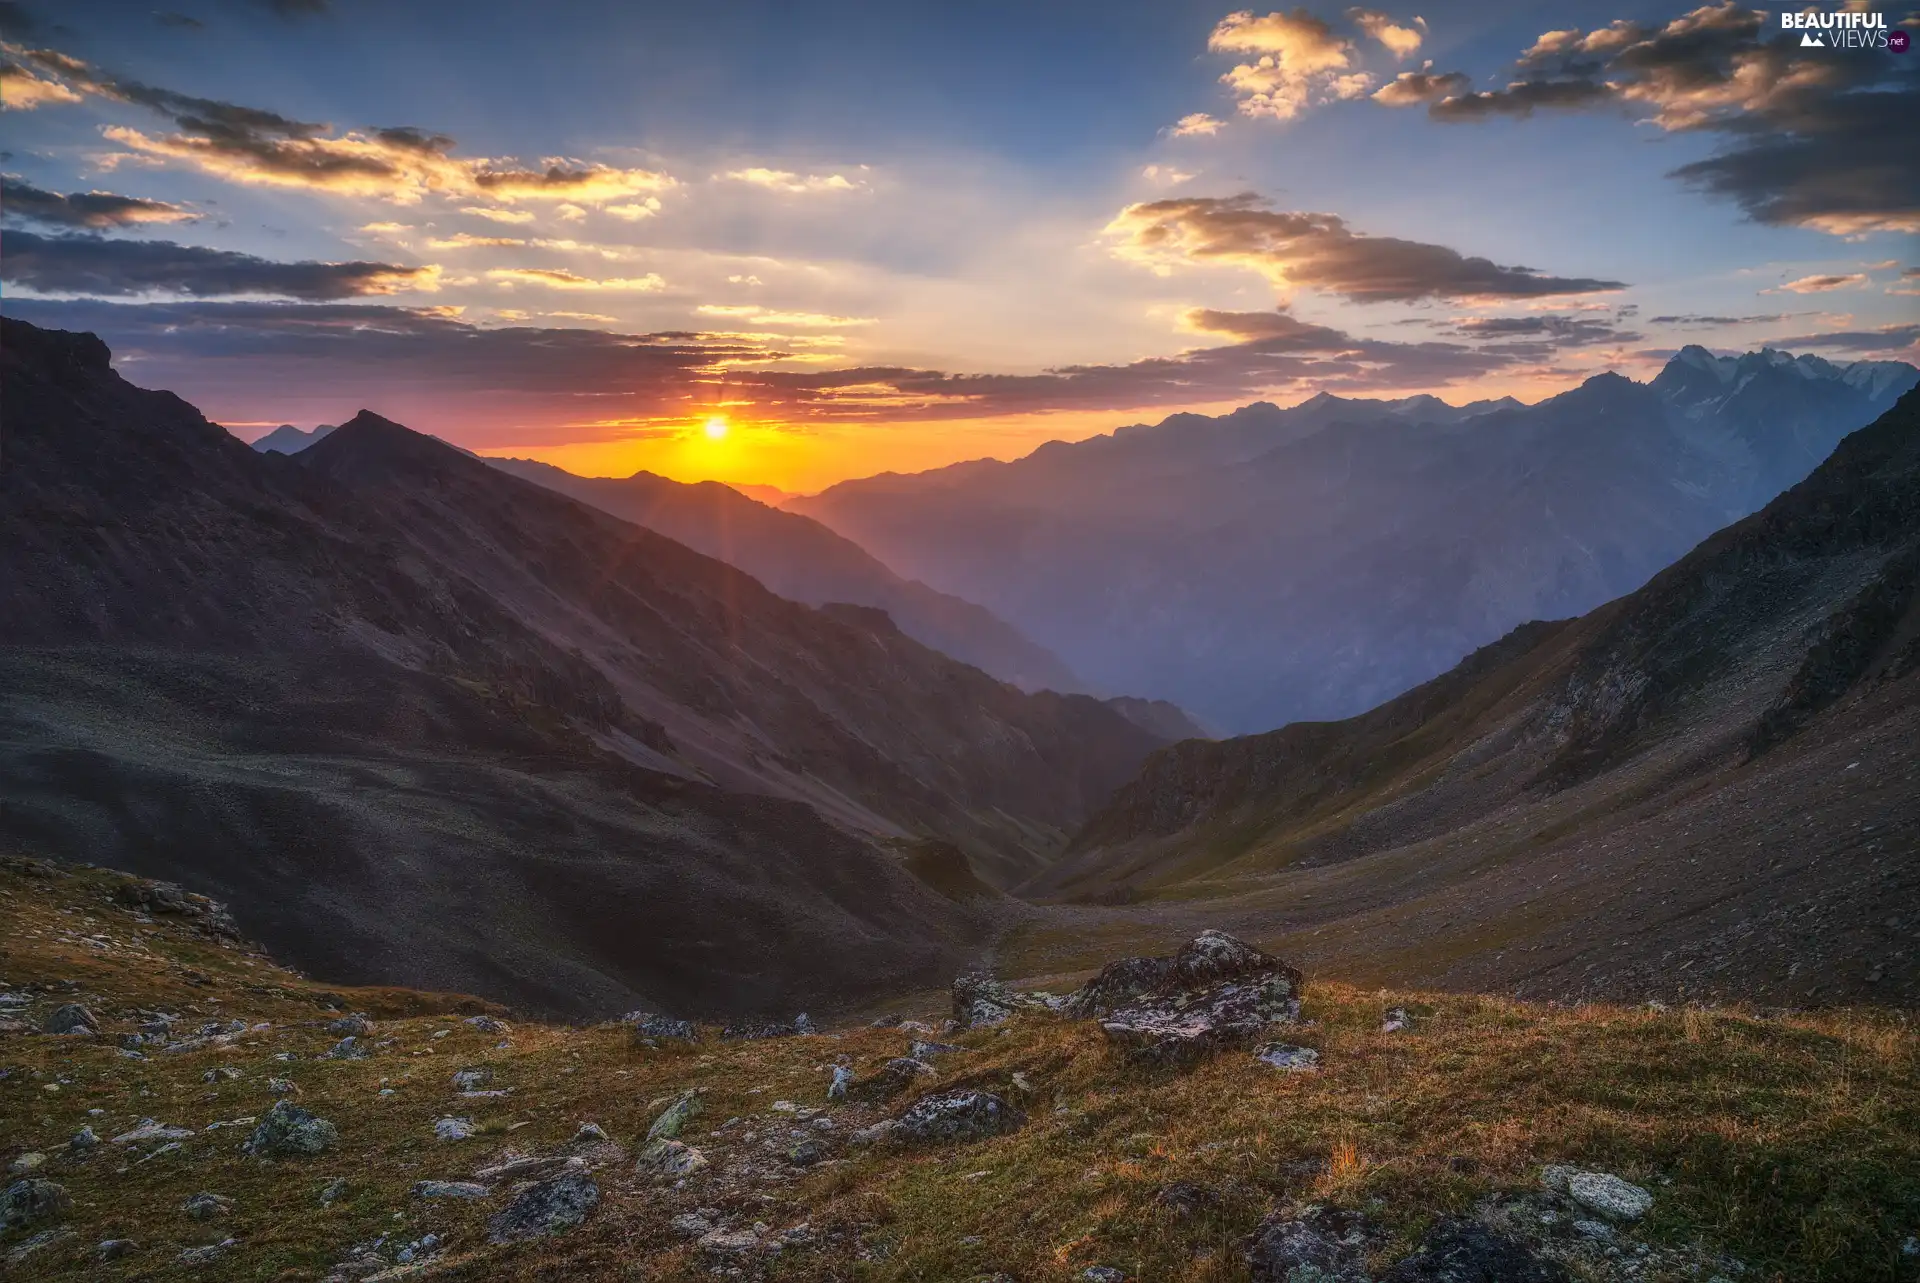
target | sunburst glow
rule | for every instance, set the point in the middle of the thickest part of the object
(716, 427)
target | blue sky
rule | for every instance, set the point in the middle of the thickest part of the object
(991, 214)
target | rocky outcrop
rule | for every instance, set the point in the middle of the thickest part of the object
(952, 1116)
(289, 1131)
(1322, 1244)
(1464, 1251)
(546, 1207)
(1217, 992)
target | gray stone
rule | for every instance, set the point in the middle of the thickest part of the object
(113, 1249)
(842, 1079)
(472, 1079)
(148, 1130)
(83, 1140)
(807, 1153)
(669, 1160)
(31, 1201)
(208, 1254)
(35, 1243)
(204, 1207)
(1313, 1245)
(70, 1018)
(355, 1025)
(674, 1118)
(896, 1076)
(963, 1115)
(1395, 1020)
(1463, 1251)
(1285, 1056)
(349, 1048)
(289, 1131)
(537, 1167)
(922, 1050)
(1103, 1274)
(1216, 992)
(333, 1191)
(691, 1225)
(26, 1164)
(486, 1024)
(1608, 1195)
(546, 1207)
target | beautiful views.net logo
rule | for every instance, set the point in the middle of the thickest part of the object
(1847, 30)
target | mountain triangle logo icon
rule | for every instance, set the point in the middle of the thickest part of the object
(1808, 40)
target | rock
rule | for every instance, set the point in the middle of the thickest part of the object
(1608, 1195)
(962, 1115)
(113, 1249)
(1216, 992)
(546, 1207)
(1103, 1274)
(524, 1169)
(921, 1050)
(354, 1025)
(1463, 1251)
(1285, 1056)
(669, 1160)
(333, 1191)
(70, 1018)
(204, 1207)
(807, 1153)
(803, 1024)
(889, 1021)
(26, 1164)
(842, 1079)
(691, 1225)
(449, 1189)
(1184, 1199)
(204, 1255)
(289, 1131)
(1395, 1020)
(875, 1134)
(472, 1079)
(1555, 1176)
(980, 1000)
(450, 1129)
(148, 1130)
(589, 1134)
(752, 1030)
(685, 1107)
(348, 1048)
(486, 1024)
(896, 1076)
(283, 1086)
(83, 1140)
(221, 1074)
(1314, 1245)
(31, 1201)
(727, 1243)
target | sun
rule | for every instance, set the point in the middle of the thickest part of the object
(716, 427)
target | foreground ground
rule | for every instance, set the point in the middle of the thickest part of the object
(1776, 1146)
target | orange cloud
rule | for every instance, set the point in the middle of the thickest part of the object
(555, 279)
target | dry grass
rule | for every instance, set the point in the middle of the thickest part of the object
(1793, 1144)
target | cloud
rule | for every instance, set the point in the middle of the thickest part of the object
(1298, 61)
(764, 316)
(1165, 175)
(1805, 138)
(1401, 41)
(399, 164)
(463, 240)
(23, 202)
(1412, 88)
(635, 211)
(1821, 284)
(1196, 124)
(1563, 331)
(500, 215)
(21, 90)
(1717, 322)
(781, 180)
(555, 279)
(1319, 251)
(554, 385)
(1887, 338)
(93, 265)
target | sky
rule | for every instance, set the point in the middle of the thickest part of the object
(789, 244)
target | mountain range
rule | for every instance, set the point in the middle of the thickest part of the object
(1703, 789)
(423, 721)
(1275, 565)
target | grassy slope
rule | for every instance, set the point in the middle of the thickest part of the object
(1792, 1143)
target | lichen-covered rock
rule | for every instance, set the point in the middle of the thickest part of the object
(448, 1129)
(967, 1114)
(674, 1118)
(487, 1024)
(1611, 1197)
(752, 1029)
(70, 1018)
(893, 1078)
(204, 1206)
(148, 1129)
(546, 1207)
(352, 1047)
(289, 1131)
(648, 1027)
(31, 1201)
(352, 1025)
(1463, 1251)
(807, 1153)
(1288, 1057)
(472, 1078)
(450, 1189)
(669, 1159)
(1216, 992)
(979, 1000)
(1313, 1245)
(842, 1080)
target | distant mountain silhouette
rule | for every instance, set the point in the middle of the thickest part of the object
(287, 439)
(801, 559)
(1706, 787)
(1272, 565)
(421, 720)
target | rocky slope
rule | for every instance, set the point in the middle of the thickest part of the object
(421, 720)
(802, 560)
(1705, 786)
(207, 1114)
(1279, 565)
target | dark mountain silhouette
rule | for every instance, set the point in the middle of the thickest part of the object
(802, 560)
(423, 721)
(287, 439)
(1272, 565)
(1707, 786)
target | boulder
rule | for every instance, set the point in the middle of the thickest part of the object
(668, 1160)
(487, 1024)
(842, 1079)
(1288, 1057)
(31, 1201)
(353, 1025)
(288, 1131)
(447, 1129)
(1313, 1245)
(807, 1153)
(546, 1207)
(112, 1249)
(70, 1018)
(963, 1115)
(660, 1028)
(1608, 1195)
(148, 1129)
(472, 1079)
(979, 1000)
(674, 1118)
(352, 1047)
(1464, 1251)
(1216, 992)
(204, 1207)
(449, 1189)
